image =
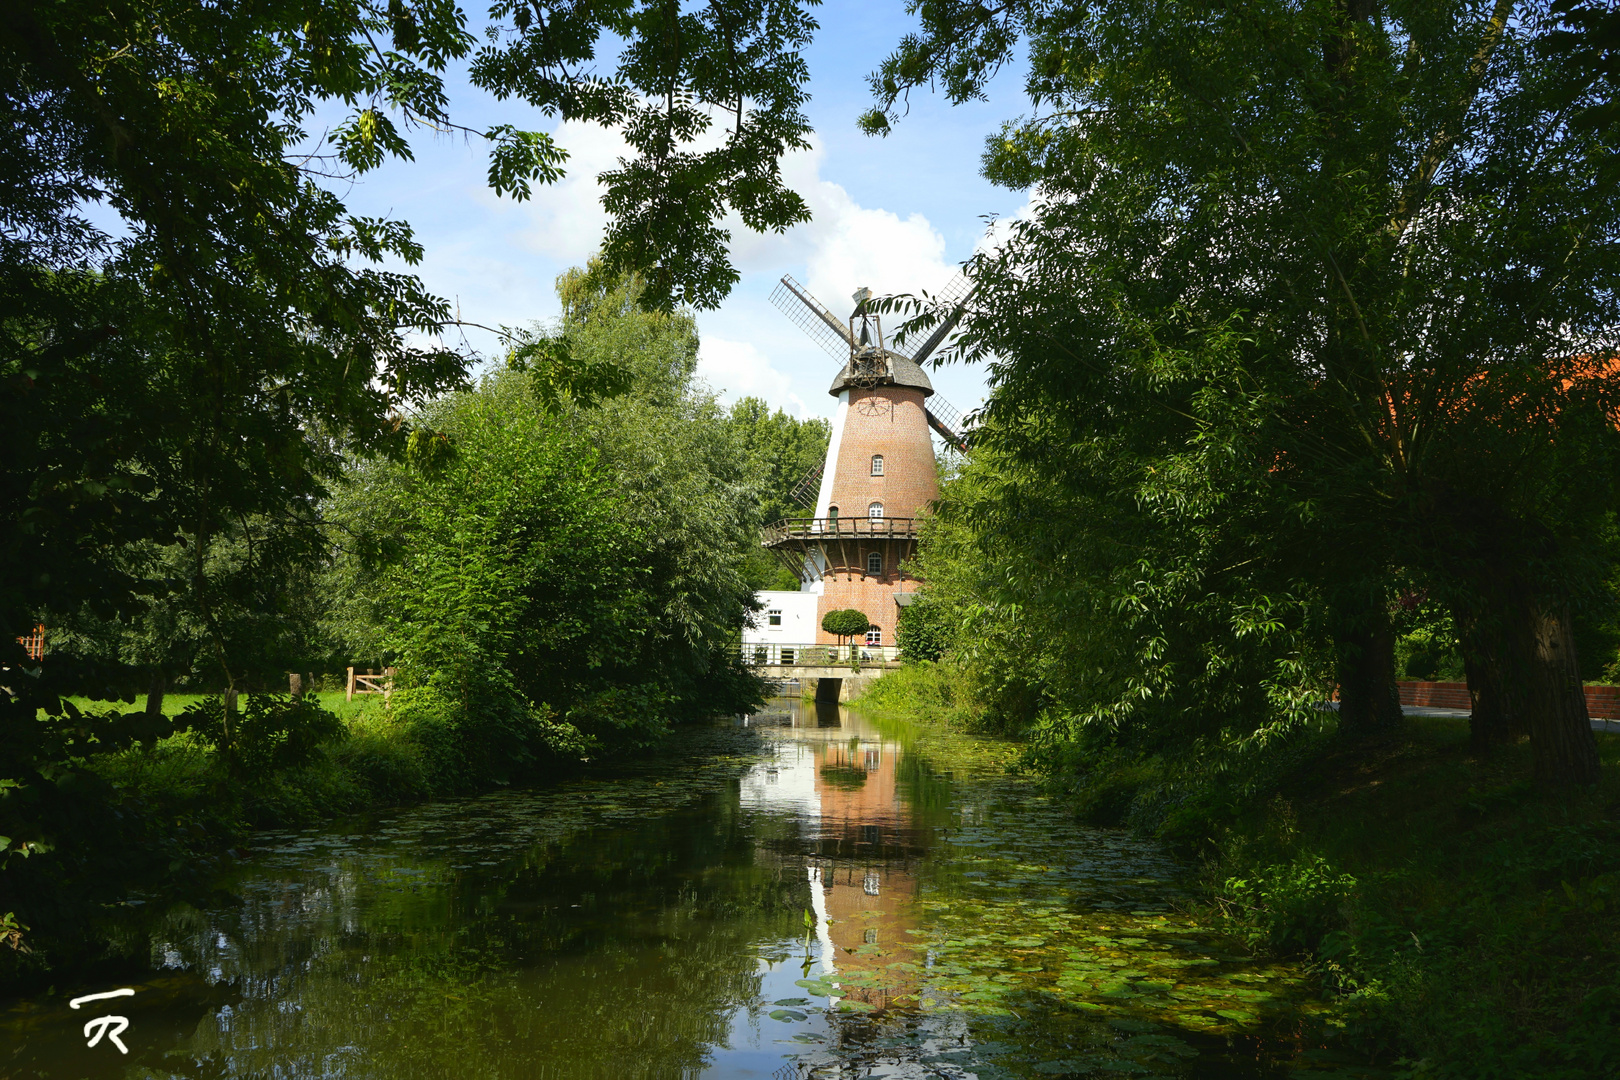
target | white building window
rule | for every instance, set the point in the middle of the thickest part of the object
(774, 616)
(874, 636)
(877, 464)
(874, 511)
(874, 563)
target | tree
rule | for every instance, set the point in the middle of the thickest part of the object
(784, 453)
(845, 623)
(568, 579)
(188, 367)
(923, 630)
(1304, 288)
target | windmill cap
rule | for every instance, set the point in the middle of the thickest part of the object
(905, 373)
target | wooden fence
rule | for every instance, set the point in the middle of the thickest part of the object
(371, 682)
(34, 644)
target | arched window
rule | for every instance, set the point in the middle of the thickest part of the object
(832, 515)
(874, 636)
(874, 563)
(877, 464)
(874, 511)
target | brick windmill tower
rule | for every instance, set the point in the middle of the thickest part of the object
(880, 471)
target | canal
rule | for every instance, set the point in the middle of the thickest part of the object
(806, 893)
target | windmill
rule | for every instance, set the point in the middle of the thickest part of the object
(880, 472)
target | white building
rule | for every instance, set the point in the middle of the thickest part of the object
(788, 618)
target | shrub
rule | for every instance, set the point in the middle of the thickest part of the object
(274, 731)
(1290, 908)
(389, 767)
(924, 629)
(489, 736)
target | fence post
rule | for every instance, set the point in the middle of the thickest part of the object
(351, 684)
(295, 684)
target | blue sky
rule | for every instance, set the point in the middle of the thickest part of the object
(894, 214)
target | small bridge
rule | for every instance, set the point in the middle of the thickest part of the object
(822, 672)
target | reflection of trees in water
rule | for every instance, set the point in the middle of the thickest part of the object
(494, 976)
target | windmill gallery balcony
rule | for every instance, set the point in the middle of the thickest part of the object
(833, 545)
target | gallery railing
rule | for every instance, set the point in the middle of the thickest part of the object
(839, 528)
(790, 654)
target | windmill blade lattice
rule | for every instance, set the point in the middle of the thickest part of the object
(948, 422)
(955, 296)
(808, 489)
(812, 316)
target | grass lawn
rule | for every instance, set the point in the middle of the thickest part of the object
(363, 705)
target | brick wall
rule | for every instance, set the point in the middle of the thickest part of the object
(887, 420)
(873, 597)
(1602, 702)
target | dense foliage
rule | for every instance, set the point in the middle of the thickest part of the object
(570, 578)
(196, 335)
(845, 623)
(1303, 378)
(789, 454)
(1312, 312)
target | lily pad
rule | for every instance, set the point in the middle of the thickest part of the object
(817, 987)
(792, 1016)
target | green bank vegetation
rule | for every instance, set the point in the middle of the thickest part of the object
(557, 575)
(213, 372)
(1456, 921)
(1301, 382)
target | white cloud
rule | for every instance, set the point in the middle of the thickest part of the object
(566, 219)
(505, 255)
(844, 245)
(737, 369)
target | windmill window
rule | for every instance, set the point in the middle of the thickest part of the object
(877, 464)
(832, 513)
(774, 617)
(874, 636)
(874, 562)
(874, 511)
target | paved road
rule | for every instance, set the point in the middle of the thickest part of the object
(1421, 710)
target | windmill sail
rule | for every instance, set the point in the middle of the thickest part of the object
(811, 316)
(956, 294)
(948, 422)
(808, 489)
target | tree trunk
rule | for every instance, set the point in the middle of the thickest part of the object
(154, 694)
(1562, 744)
(1369, 701)
(1496, 658)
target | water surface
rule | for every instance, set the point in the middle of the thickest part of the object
(802, 894)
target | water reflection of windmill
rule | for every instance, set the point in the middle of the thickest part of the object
(880, 471)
